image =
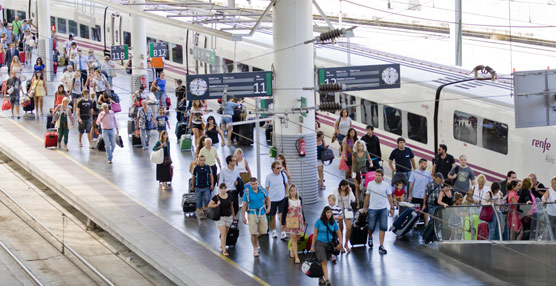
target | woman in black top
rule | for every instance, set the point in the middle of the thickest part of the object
(224, 202)
(212, 131)
(164, 170)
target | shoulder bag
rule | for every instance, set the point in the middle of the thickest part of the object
(487, 212)
(214, 213)
(331, 247)
(157, 157)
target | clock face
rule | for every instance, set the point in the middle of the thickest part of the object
(198, 87)
(390, 75)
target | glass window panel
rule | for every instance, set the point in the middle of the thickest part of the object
(62, 26)
(177, 53)
(495, 136)
(393, 120)
(97, 34)
(417, 127)
(465, 127)
(22, 15)
(127, 38)
(72, 27)
(83, 31)
(369, 112)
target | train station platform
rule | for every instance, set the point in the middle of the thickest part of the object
(125, 199)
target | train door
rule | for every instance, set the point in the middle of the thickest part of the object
(116, 28)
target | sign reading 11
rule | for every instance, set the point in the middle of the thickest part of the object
(260, 88)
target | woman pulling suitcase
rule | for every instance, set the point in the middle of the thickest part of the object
(223, 202)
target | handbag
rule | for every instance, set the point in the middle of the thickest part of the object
(331, 247)
(311, 266)
(116, 107)
(487, 212)
(334, 137)
(6, 105)
(11, 89)
(292, 222)
(157, 157)
(327, 155)
(119, 141)
(214, 213)
(343, 165)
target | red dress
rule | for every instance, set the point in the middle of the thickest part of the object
(513, 216)
(295, 212)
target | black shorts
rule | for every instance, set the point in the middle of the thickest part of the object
(279, 207)
(196, 125)
(417, 201)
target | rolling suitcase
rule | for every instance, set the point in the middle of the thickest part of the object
(470, 228)
(100, 144)
(22, 57)
(245, 137)
(51, 138)
(181, 129)
(188, 203)
(30, 106)
(429, 234)
(302, 242)
(131, 126)
(233, 234)
(268, 134)
(483, 232)
(358, 235)
(309, 243)
(136, 141)
(186, 142)
(405, 222)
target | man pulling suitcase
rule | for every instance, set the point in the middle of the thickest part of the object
(378, 198)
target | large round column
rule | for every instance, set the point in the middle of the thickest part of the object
(293, 71)
(44, 38)
(139, 47)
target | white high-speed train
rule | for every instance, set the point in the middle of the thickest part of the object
(475, 118)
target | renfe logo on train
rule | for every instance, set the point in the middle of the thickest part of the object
(544, 145)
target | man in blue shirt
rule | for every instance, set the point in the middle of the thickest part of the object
(418, 182)
(202, 181)
(227, 114)
(81, 64)
(255, 203)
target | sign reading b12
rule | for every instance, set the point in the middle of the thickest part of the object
(158, 50)
(119, 53)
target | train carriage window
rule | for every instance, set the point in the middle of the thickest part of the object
(465, 127)
(127, 38)
(393, 120)
(417, 127)
(22, 15)
(83, 31)
(72, 27)
(62, 26)
(495, 136)
(10, 15)
(97, 33)
(177, 53)
(52, 21)
(369, 112)
(349, 100)
(167, 57)
(257, 69)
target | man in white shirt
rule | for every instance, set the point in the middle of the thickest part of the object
(68, 45)
(229, 176)
(276, 185)
(67, 78)
(378, 198)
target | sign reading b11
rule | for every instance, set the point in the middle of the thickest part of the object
(158, 50)
(118, 53)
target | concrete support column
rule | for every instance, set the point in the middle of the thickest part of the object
(458, 32)
(139, 46)
(294, 70)
(44, 38)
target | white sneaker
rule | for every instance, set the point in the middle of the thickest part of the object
(274, 234)
(284, 235)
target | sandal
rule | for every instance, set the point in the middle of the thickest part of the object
(80, 145)
(256, 253)
(297, 261)
(225, 253)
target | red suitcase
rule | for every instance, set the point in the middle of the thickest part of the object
(483, 232)
(51, 138)
(22, 57)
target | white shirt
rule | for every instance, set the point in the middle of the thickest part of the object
(66, 80)
(551, 208)
(480, 193)
(68, 45)
(276, 187)
(379, 195)
(228, 177)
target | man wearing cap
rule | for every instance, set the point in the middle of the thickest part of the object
(432, 191)
(68, 45)
(81, 65)
(108, 68)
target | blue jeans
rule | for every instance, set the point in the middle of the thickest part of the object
(203, 197)
(161, 97)
(494, 234)
(380, 216)
(109, 136)
(110, 81)
(145, 137)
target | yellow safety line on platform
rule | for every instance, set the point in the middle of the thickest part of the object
(206, 246)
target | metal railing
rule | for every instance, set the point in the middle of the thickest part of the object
(20, 263)
(510, 222)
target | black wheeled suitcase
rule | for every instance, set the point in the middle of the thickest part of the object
(181, 129)
(136, 141)
(131, 126)
(233, 234)
(268, 134)
(246, 134)
(358, 235)
(405, 222)
(100, 144)
(188, 203)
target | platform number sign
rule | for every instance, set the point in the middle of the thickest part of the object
(158, 50)
(119, 53)
(214, 86)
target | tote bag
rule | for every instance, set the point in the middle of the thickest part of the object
(157, 157)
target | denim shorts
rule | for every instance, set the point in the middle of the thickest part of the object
(226, 119)
(203, 197)
(380, 216)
